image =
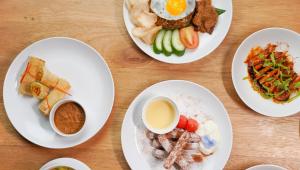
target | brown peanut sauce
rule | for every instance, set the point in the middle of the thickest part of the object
(69, 118)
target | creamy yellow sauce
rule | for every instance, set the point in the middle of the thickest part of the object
(160, 114)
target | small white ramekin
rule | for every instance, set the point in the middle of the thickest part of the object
(52, 114)
(164, 130)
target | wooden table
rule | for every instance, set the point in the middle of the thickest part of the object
(257, 139)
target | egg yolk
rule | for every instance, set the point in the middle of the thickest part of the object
(176, 7)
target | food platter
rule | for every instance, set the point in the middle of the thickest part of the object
(67, 162)
(92, 85)
(288, 41)
(207, 42)
(132, 133)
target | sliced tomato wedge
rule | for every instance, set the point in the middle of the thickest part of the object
(189, 37)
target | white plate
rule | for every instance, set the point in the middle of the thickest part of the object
(69, 162)
(239, 71)
(266, 167)
(91, 81)
(133, 127)
(207, 42)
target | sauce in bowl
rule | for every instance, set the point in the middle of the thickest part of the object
(69, 118)
(160, 115)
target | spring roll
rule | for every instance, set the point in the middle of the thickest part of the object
(58, 92)
(39, 90)
(47, 78)
(30, 74)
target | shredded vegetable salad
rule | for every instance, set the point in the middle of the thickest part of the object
(271, 74)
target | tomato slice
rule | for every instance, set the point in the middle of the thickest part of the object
(189, 37)
(192, 125)
(182, 122)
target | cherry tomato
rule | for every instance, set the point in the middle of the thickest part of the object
(189, 37)
(182, 122)
(192, 125)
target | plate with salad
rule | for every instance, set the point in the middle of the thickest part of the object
(266, 72)
(177, 31)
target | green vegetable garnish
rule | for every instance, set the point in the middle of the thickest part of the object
(269, 79)
(297, 85)
(255, 70)
(261, 56)
(219, 11)
(273, 58)
(245, 78)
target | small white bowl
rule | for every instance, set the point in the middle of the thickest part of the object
(52, 114)
(165, 130)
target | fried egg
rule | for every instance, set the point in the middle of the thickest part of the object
(172, 9)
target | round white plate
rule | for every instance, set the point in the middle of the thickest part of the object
(133, 127)
(266, 167)
(207, 42)
(91, 81)
(69, 162)
(239, 70)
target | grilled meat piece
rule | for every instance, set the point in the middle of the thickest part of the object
(206, 17)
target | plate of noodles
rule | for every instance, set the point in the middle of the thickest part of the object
(49, 72)
(266, 72)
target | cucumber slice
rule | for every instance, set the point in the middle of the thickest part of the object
(157, 46)
(178, 47)
(167, 47)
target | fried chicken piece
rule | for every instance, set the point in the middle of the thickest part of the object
(206, 17)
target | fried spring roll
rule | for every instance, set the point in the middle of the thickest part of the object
(58, 92)
(39, 90)
(30, 74)
(48, 78)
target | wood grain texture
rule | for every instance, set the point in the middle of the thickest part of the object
(257, 139)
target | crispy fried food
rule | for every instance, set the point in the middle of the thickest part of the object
(206, 17)
(147, 35)
(177, 150)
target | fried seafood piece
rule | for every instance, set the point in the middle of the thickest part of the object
(150, 135)
(206, 17)
(177, 150)
(195, 138)
(159, 154)
(165, 142)
(155, 144)
(193, 157)
(182, 162)
(191, 146)
(174, 134)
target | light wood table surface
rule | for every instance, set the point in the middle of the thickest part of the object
(257, 139)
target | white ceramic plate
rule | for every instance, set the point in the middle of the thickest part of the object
(69, 162)
(91, 81)
(132, 134)
(239, 70)
(266, 167)
(207, 42)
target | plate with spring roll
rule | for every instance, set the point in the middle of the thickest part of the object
(58, 92)
(266, 72)
(176, 124)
